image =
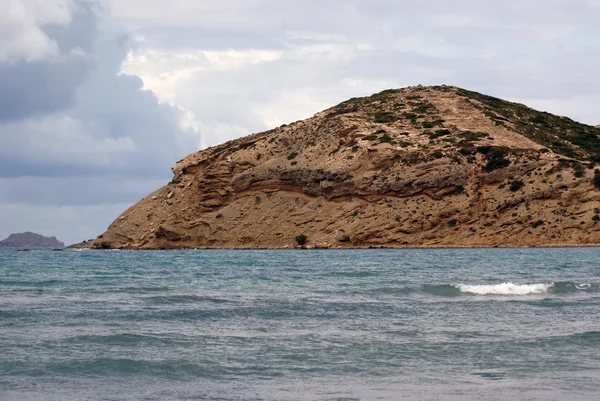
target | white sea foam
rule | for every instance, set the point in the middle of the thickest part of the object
(505, 289)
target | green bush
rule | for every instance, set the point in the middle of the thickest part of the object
(301, 239)
(597, 178)
(439, 133)
(432, 124)
(537, 224)
(385, 138)
(384, 117)
(472, 136)
(292, 156)
(496, 163)
(516, 185)
(495, 157)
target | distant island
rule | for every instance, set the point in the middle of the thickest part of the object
(29, 240)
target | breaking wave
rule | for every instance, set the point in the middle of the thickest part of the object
(510, 289)
(506, 289)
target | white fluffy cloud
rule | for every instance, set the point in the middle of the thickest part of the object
(21, 28)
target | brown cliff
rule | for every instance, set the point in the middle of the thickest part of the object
(420, 166)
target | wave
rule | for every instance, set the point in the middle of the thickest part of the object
(503, 289)
(556, 288)
(506, 289)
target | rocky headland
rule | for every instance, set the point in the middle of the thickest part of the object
(413, 167)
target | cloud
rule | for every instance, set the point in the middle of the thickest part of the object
(514, 49)
(80, 116)
(22, 24)
(75, 132)
(90, 190)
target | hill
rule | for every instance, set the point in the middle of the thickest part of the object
(419, 166)
(30, 240)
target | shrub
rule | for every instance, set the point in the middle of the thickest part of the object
(439, 133)
(383, 117)
(596, 218)
(354, 149)
(218, 216)
(423, 107)
(410, 116)
(496, 163)
(438, 154)
(452, 223)
(301, 239)
(386, 139)
(372, 137)
(516, 185)
(537, 224)
(431, 124)
(472, 136)
(292, 156)
(597, 178)
(495, 157)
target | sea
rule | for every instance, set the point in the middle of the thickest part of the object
(418, 324)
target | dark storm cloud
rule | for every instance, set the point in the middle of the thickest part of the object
(79, 140)
(29, 90)
(76, 115)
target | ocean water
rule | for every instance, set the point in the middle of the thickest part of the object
(482, 324)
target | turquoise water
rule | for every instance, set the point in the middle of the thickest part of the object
(485, 324)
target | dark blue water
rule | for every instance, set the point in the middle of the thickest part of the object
(481, 324)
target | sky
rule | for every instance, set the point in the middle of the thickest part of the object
(98, 99)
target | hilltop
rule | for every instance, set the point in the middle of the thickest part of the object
(419, 166)
(30, 240)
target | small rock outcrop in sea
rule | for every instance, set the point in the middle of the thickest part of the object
(419, 166)
(30, 240)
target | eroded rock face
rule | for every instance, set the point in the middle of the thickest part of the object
(420, 166)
